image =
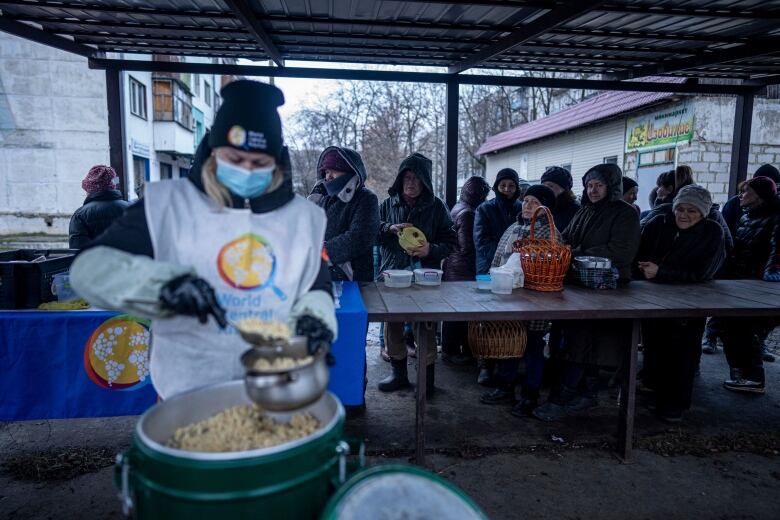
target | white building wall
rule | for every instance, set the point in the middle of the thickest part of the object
(53, 128)
(582, 148)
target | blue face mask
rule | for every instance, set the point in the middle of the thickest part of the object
(247, 184)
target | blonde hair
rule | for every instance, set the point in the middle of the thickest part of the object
(219, 193)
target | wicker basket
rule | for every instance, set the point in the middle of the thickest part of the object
(497, 339)
(545, 261)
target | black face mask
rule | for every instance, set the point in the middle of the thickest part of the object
(335, 186)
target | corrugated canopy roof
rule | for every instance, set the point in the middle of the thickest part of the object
(596, 108)
(620, 38)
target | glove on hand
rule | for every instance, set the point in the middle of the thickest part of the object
(772, 275)
(319, 336)
(192, 296)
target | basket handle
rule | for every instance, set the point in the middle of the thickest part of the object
(550, 221)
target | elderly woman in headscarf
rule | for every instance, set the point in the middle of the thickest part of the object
(507, 369)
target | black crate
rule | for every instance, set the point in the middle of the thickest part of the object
(25, 285)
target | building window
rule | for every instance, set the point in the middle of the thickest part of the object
(612, 159)
(196, 84)
(137, 98)
(172, 103)
(665, 156)
(166, 171)
(207, 92)
(140, 174)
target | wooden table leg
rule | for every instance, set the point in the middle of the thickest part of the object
(628, 397)
(419, 432)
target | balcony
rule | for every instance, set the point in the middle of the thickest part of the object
(173, 121)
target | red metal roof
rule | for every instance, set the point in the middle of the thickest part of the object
(601, 106)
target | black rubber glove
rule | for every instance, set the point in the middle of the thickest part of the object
(192, 296)
(320, 337)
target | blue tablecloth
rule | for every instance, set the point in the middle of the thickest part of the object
(56, 365)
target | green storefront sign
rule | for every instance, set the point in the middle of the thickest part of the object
(660, 129)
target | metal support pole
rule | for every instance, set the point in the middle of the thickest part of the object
(451, 171)
(740, 144)
(116, 141)
(628, 396)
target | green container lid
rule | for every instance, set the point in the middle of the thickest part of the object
(396, 491)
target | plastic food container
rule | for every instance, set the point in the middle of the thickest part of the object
(428, 276)
(61, 288)
(397, 278)
(483, 282)
(501, 281)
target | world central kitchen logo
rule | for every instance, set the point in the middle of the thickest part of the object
(655, 130)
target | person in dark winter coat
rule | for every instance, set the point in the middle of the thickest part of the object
(566, 204)
(352, 211)
(756, 254)
(605, 226)
(630, 191)
(495, 215)
(461, 265)
(669, 183)
(103, 205)
(412, 203)
(685, 247)
(732, 209)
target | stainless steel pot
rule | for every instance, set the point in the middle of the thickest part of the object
(159, 423)
(284, 389)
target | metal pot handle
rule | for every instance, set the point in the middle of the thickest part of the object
(125, 497)
(343, 450)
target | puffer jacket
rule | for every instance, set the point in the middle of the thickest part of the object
(757, 242)
(430, 215)
(715, 215)
(99, 211)
(682, 255)
(462, 263)
(609, 228)
(353, 218)
(491, 220)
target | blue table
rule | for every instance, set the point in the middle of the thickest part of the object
(58, 365)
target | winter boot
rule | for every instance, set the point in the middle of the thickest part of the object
(528, 403)
(503, 393)
(709, 345)
(485, 377)
(588, 398)
(430, 377)
(397, 379)
(555, 408)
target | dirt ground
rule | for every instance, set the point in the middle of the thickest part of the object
(721, 462)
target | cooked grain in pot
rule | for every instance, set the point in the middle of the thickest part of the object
(241, 428)
(271, 330)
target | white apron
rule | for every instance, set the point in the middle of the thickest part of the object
(258, 264)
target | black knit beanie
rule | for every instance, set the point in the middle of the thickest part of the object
(506, 173)
(559, 176)
(545, 195)
(769, 171)
(628, 183)
(247, 119)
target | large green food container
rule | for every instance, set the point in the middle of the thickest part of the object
(290, 481)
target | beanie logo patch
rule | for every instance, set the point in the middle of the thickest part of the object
(236, 135)
(257, 141)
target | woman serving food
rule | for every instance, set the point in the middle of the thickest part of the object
(230, 242)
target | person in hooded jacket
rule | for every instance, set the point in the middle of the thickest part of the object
(103, 205)
(352, 210)
(732, 210)
(685, 247)
(756, 255)
(231, 241)
(412, 202)
(495, 215)
(605, 226)
(461, 266)
(566, 204)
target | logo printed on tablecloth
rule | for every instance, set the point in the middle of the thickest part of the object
(116, 356)
(248, 263)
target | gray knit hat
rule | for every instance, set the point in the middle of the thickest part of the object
(695, 195)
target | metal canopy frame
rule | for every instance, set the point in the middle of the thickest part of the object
(619, 40)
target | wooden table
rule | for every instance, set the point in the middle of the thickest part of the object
(461, 301)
